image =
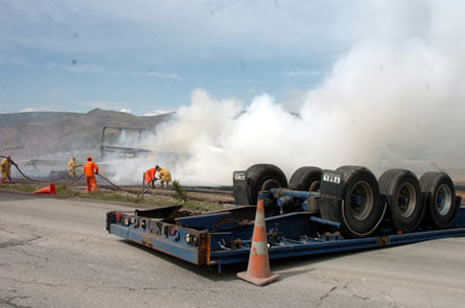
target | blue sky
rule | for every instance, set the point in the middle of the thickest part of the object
(148, 56)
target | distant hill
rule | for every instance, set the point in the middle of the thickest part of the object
(32, 134)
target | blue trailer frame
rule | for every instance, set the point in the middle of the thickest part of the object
(223, 237)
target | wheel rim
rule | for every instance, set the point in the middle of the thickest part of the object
(361, 200)
(407, 200)
(443, 200)
(269, 184)
(314, 186)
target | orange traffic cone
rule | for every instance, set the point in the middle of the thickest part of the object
(258, 270)
(51, 190)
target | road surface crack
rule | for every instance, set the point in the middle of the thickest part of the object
(7, 231)
(391, 298)
(33, 255)
(323, 297)
(132, 289)
(32, 282)
(361, 297)
(13, 243)
(8, 301)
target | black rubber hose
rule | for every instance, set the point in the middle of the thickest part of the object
(116, 186)
(27, 177)
(110, 182)
(19, 170)
(34, 180)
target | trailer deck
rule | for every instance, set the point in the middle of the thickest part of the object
(223, 237)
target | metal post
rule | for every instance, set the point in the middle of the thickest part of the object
(143, 183)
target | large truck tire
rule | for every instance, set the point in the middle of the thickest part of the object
(306, 179)
(361, 210)
(439, 195)
(260, 177)
(263, 177)
(402, 192)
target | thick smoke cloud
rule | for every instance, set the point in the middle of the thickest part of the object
(396, 99)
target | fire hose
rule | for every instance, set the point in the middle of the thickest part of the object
(19, 170)
(50, 179)
(110, 182)
(31, 179)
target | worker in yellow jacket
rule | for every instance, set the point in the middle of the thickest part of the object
(164, 175)
(6, 168)
(71, 166)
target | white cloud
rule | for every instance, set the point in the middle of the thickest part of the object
(28, 109)
(36, 109)
(79, 68)
(106, 105)
(208, 29)
(74, 67)
(255, 90)
(161, 75)
(157, 112)
(304, 73)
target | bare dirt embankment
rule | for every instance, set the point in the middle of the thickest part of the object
(33, 134)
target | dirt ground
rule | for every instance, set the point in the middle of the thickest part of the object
(210, 195)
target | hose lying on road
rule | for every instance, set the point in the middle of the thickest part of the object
(49, 179)
(72, 179)
(110, 182)
(19, 170)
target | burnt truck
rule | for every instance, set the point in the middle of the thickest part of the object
(315, 212)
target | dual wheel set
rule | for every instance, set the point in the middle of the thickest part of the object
(398, 200)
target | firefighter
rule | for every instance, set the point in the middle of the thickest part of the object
(6, 169)
(164, 175)
(150, 176)
(89, 168)
(71, 166)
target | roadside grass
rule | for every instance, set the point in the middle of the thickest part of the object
(20, 187)
(67, 191)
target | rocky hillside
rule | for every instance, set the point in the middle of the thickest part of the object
(33, 134)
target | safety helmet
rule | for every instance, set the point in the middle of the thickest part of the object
(89, 157)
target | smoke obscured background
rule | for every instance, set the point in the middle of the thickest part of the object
(375, 83)
(396, 99)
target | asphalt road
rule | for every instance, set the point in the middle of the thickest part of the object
(56, 253)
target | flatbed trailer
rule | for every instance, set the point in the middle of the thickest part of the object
(322, 212)
(224, 237)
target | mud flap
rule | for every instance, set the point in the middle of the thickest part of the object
(331, 189)
(240, 187)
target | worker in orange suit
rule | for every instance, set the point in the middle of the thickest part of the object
(150, 176)
(89, 168)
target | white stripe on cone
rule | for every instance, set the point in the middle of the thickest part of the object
(260, 220)
(260, 248)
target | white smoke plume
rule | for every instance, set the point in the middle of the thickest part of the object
(396, 99)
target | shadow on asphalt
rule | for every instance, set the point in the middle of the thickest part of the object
(284, 267)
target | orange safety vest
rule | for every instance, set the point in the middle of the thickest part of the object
(150, 175)
(89, 167)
